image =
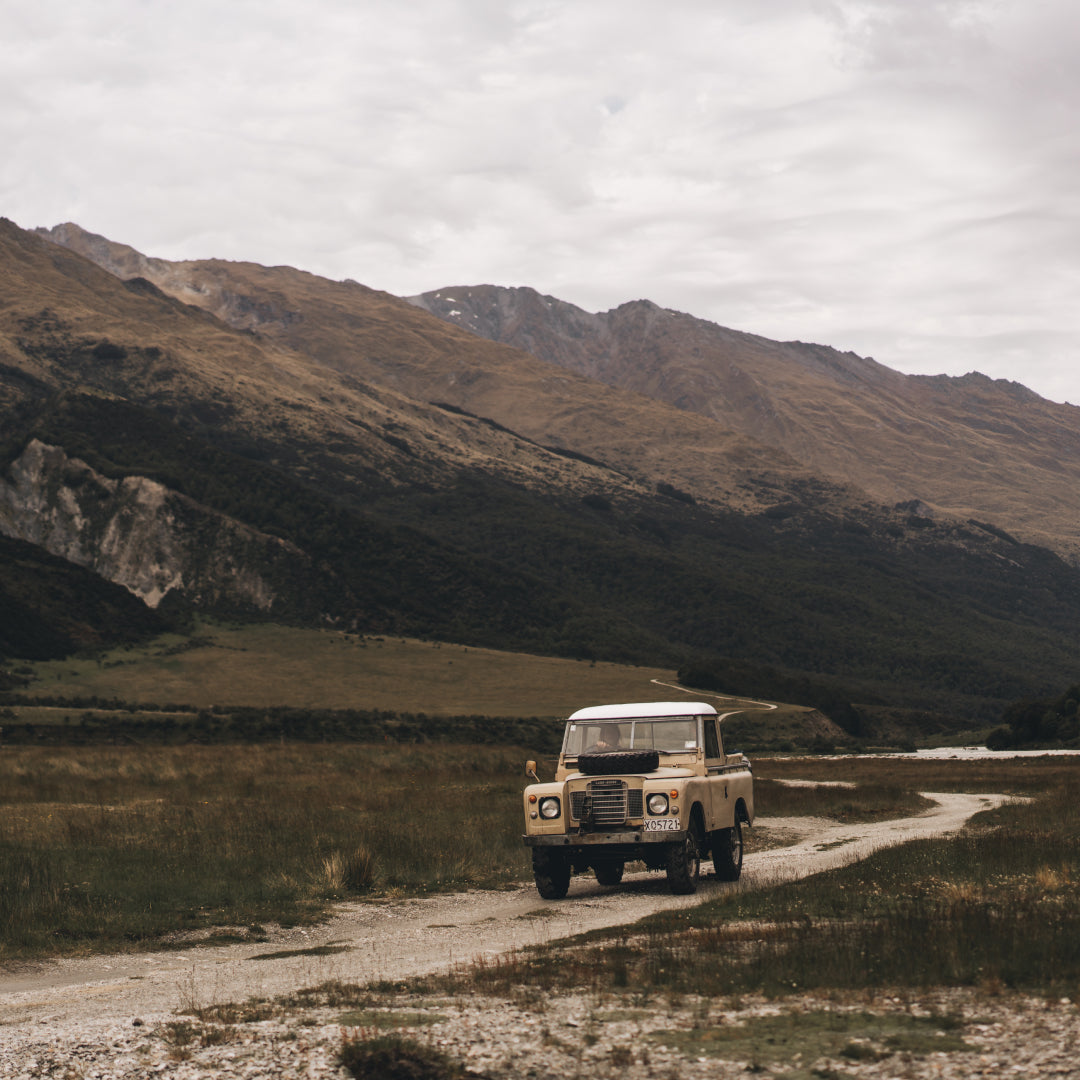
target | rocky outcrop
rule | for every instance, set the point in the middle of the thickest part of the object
(138, 533)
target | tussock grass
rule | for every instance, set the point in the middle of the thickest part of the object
(996, 906)
(863, 802)
(395, 1057)
(117, 847)
(1015, 776)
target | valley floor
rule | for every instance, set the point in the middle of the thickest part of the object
(132, 1015)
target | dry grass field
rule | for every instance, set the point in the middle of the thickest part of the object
(266, 664)
(116, 847)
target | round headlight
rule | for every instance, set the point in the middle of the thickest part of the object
(658, 803)
(549, 808)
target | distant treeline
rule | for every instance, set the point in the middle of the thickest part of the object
(1040, 724)
(748, 680)
(151, 725)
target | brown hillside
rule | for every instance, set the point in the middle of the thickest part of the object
(970, 446)
(389, 343)
(67, 324)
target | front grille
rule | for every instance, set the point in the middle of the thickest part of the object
(607, 802)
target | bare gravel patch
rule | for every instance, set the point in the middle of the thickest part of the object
(980, 1036)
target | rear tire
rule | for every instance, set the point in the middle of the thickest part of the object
(551, 871)
(609, 873)
(727, 848)
(684, 865)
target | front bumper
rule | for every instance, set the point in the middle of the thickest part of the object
(628, 837)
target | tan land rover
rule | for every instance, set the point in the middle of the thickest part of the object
(647, 781)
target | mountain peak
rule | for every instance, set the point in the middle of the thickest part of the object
(119, 259)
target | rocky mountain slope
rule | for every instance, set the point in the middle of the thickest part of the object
(967, 447)
(133, 426)
(138, 533)
(256, 440)
(50, 607)
(388, 343)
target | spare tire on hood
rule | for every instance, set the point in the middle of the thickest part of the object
(609, 762)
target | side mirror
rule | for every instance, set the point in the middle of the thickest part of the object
(530, 770)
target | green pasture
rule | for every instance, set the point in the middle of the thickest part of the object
(247, 682)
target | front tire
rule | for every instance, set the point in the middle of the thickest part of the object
(609, 873)
(551, 871)
(684, 865)
(727, 847)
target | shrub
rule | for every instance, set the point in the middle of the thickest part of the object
(106, 350)
(353, 872)
(392, 1057)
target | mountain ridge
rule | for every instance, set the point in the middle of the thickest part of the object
(130, 338)
(372, 336)
(965, 446)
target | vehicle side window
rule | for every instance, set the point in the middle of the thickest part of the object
(712, 742)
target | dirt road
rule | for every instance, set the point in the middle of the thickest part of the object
(395, 939)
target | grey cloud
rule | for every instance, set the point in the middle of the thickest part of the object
(891, 177)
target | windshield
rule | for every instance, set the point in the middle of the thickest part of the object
(669, 735)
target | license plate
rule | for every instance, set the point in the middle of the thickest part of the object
(662, 824)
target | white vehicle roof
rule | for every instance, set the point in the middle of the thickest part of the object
(638, 709)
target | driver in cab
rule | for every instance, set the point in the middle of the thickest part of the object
(610, 738)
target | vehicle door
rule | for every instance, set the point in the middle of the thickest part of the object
(718, 809)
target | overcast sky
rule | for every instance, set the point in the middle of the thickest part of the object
(896, 177)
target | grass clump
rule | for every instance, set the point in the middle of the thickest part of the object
(393, 1057)
(808, 1036)
(182, 1036)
